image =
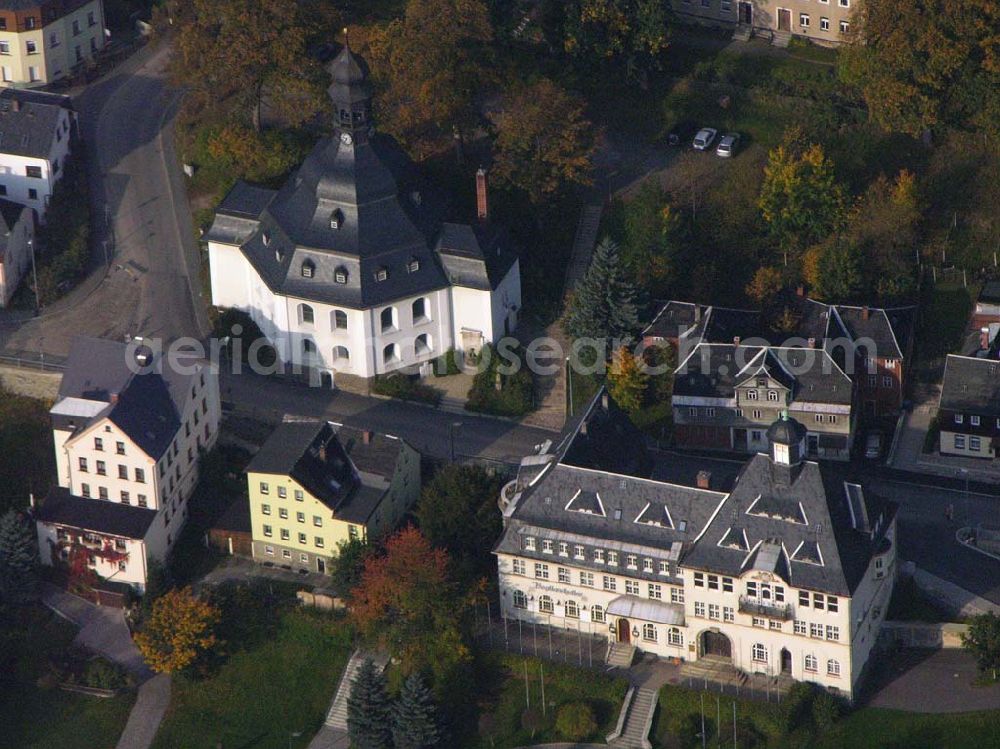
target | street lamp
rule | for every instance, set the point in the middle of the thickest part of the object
(451, 435)
(293, 735)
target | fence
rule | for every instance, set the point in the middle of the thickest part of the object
(32, 360)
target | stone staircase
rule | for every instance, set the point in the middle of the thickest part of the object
(633, 731)
(583, 244)
(620, 654)
(743, 33)
(336, 717)
(781, 38)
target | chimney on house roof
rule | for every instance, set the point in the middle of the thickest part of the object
(604, 401)
(482, 197)
(865, 312)
(366, 437)
(114, 398)
(984, 339)
(812, 343)
(697, 313)
(736, 341)
(321, 452)
(704, 479)
(800, 290)
(15, 104)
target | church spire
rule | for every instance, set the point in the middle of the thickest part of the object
(351, 93)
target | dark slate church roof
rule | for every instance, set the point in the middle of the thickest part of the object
(357, 210)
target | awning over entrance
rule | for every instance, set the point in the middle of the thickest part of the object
(645, 610)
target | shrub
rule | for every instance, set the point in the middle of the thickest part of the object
(576, 721)
(447, 364)
(405, 387)
(515, 396)
(248, 333)
(532, 721)
(825, 710)
(100, 674)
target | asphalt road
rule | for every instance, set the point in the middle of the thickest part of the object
(429, 430)
(135, 181)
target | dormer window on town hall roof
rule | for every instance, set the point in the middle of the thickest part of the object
(340, 274)
(382, 273)
(413, 266)
(308, 269)
(336, 219)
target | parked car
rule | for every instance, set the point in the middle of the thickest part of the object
(682, 132)
(728, 145)
(873, 446)
(704, 139)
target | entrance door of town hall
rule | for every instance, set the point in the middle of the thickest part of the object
(717, 644)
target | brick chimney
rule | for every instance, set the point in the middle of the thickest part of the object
(604, 401)
(984, 339)
(366, 437)
(482, 196)
(736, 341)
(114, 398)
(15, 104)
(704, 479)
(865, 312)
(812, 343)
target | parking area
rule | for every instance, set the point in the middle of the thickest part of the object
(931, 681)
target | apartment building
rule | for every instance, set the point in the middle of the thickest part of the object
(825, 22)
(786, 571)
(128, 431)
(42, 41)
(969, 407)
(315, 484)
(36, 130)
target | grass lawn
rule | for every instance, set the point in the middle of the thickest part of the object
(943, 322)
(279, 685)
(26, 444)
(563, 684)
(871, 728)
(35, 718)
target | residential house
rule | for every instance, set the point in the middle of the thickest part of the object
(349, 268)
(826, 22)
(969, 407)
(17, 236)
(787, 570)
(987, 310)
(128, 430)
(42, 41)
(35, 133)
(315, 484)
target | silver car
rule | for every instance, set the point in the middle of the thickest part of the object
(728, 145)
(704, 139)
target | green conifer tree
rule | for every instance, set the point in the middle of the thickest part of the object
(18, 558)
(604, 302)
(414, 717)
(369, 710)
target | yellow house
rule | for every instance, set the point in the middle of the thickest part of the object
(315, 484)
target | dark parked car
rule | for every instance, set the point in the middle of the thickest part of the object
(682, 133)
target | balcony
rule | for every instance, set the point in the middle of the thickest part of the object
(769, 609)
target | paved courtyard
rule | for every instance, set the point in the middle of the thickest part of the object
(932, 681)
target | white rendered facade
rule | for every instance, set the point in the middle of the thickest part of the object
(30, 180)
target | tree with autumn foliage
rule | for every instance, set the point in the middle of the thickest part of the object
(179, 632)
(628, 380)
(635, 31)
(430, 64)
(927, 64)
(765, 286)
(243, 51)
(408, 604)
(544, 142)
(800, 198)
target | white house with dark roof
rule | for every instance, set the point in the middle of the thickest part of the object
(128, 432)
(35, 134)
(969, 407)
(785, 568)
(349, 268)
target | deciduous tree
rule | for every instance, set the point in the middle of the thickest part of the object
(927, 64)
(800, 198)
(576, 721)
(635, 31)
(839, 278)
(983, 641)
(178, 632)
(628, 381)
(369, 711)
(430, 65)
(348, 564)
(242, 51)
(415, 723)
(18, 558)
(765, 286)
(458, 512)
(604, 306)
(650, 228)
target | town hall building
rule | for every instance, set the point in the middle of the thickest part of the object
(787, 569)
(350, 267)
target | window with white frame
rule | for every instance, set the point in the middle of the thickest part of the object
(974, 420)
(677, 595)
(649, 632)
(545, 605)
(774, 624)
(759, 653)
(647, 564)
(975, 443)
(631, 561)
(610, 583)
(833, 665)
(546, 546)
(518, 566)
(800, 627)
(811, 663)
(675, 637)
(728, 615)
(578, 552)
(664, 568)
(832, 604)
(699, 609)
(772, 396)
(714, 612)
(520, 600)
(599, 556)
(572, 609)
(632, 587)
(815, 630)
(699, 579)
(844, 27)
(613, 558)
(727, 585)
(587, 579)
(804, 20)
(803, 598)
(655, 591)
(563, 575)
(541, 571)
(713, 582)
(824, 24)
(758, 622)
(818, 601)
(832, 632)
(959, 442)
(563, 549)
(751, 395)
(529, 543)
(597, 614)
